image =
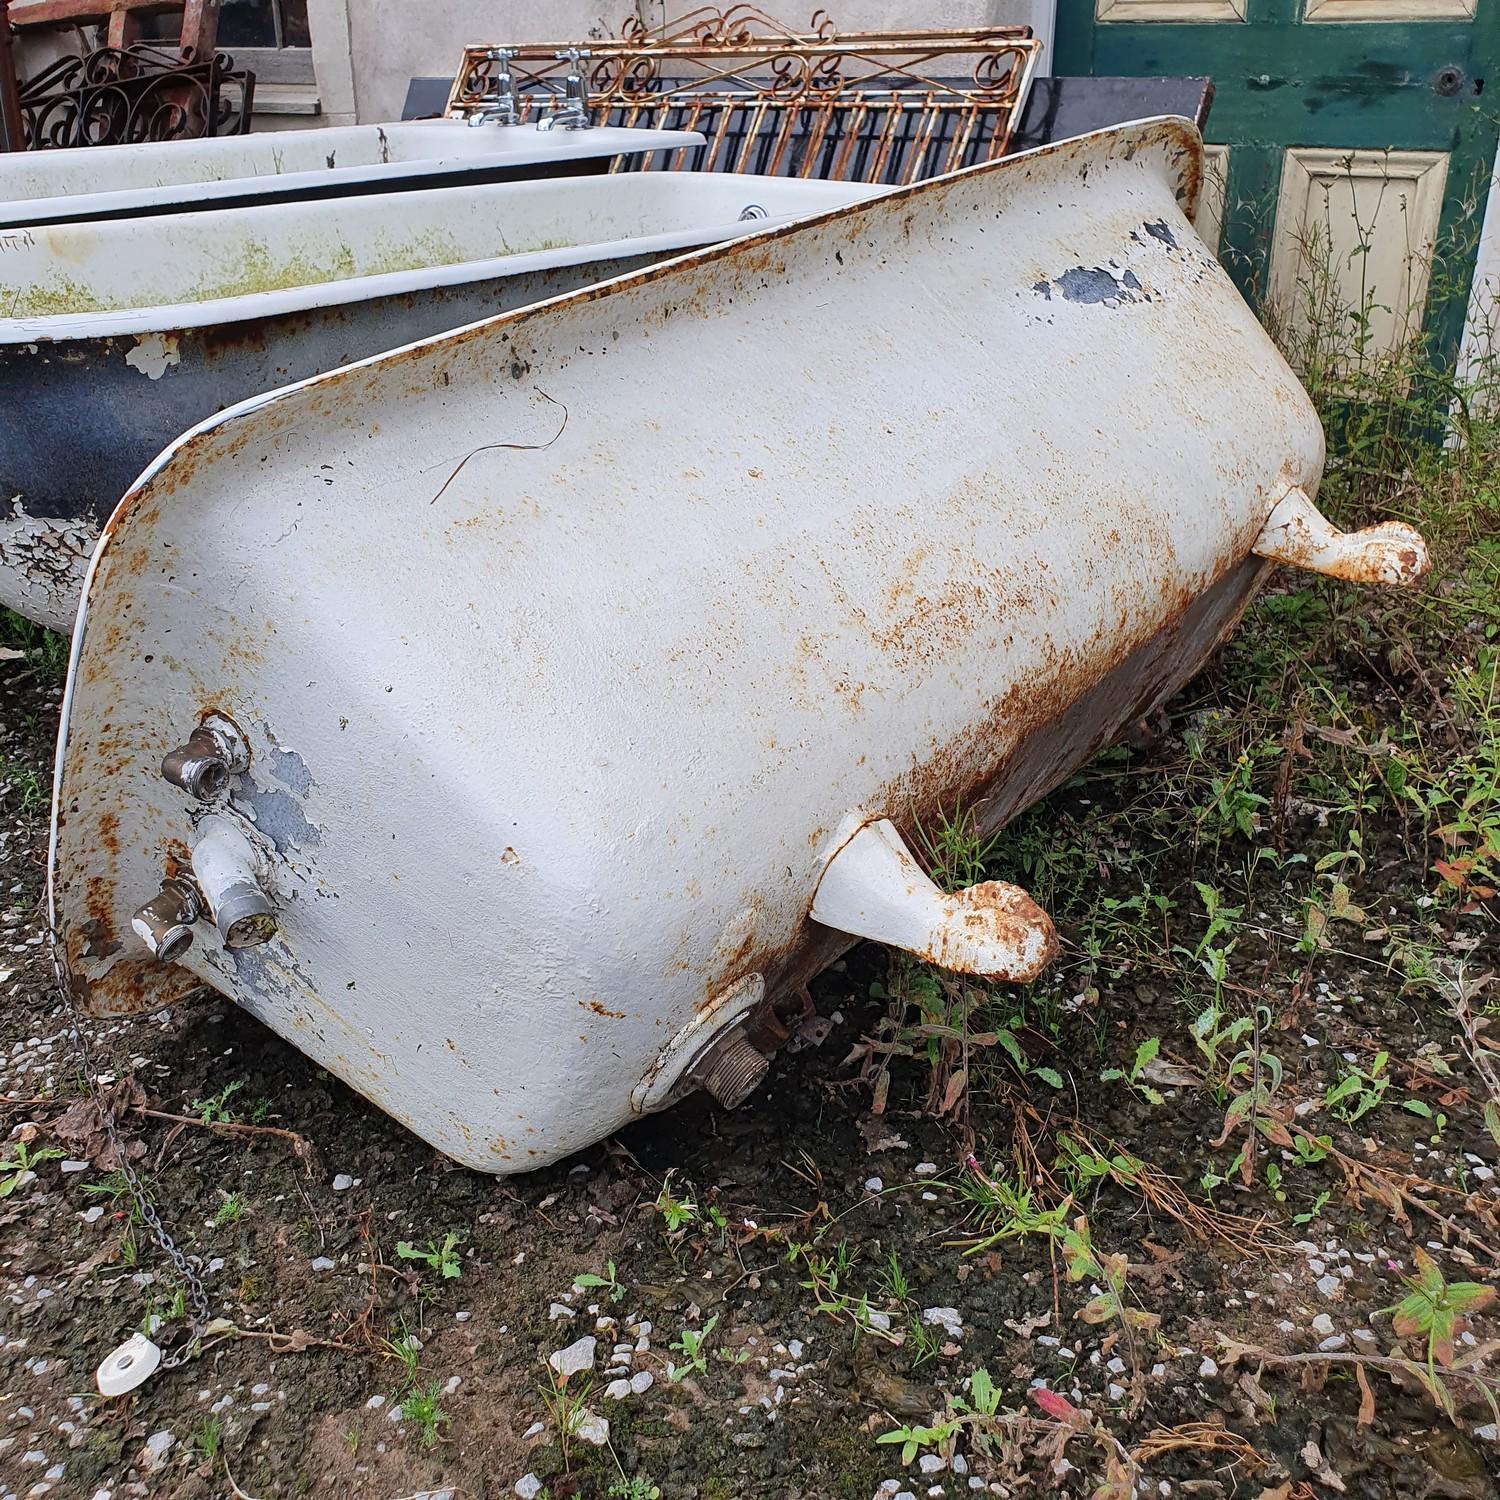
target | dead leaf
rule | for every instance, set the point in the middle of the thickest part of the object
(1170, 1075)
(1366, 1397)
(1059, 1408)
(80, 1127)
(1028, 1326)
(955, 1091)
(1312, 1456)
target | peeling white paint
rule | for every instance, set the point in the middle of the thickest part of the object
(43, 560)
(154, 354)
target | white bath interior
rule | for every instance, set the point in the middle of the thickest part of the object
(141, 275)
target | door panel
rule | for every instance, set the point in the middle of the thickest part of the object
(1209, 220)
(1367, 222)
(1387, 10)
(1171, 10)
(1312, 95)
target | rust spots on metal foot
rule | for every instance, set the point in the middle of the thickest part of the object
(1298, 534)
(873, 888)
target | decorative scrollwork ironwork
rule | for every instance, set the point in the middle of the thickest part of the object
(118, 95)
(890, 107)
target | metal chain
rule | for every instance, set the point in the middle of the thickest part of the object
(186, 1266)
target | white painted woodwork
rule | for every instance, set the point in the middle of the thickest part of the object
(1209, 220)
(1388, 10)
(1170, 10)
(1370, 217)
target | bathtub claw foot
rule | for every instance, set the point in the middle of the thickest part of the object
(874, 888)
(1298, 534)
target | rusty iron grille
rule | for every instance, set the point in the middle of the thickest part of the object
(118, 95)
(880, 107)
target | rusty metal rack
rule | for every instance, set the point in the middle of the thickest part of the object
(117, 95)
(882, 107)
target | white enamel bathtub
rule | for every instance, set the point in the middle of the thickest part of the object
(97, 182)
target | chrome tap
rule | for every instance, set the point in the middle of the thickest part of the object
(497, 105)
(573, 112)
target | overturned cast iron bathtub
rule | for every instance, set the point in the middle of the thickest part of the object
(515, 720)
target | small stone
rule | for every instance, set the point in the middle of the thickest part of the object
(1337, 1341)
(1489, 1433)
(931, 1463)
(577, 1356)
(1322, 1325)
(1114, 1391)
(375, 1403)
(946, 1318)
(877, 1319)
(873, 1184)
(642, 1381)
(1331, 1287)
(794, 1348)
(591, 1428)
(535, 1430)
(73, 1166)
(156, 1449)
(94, 1214)
(322, 1263)
(462, 1317)
(617, 1390)
(528, 1487)
(1208, 1369)
(342, 1183)
(960, 1464)
(559, 1310)
(926, 1169)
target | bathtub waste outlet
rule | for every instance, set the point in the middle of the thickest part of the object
(731, 1070)
(873, 888)
(1298, 534)
(227, 869)
(212, 753)
(165, 923)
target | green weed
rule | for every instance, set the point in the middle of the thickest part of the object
(443, 1259)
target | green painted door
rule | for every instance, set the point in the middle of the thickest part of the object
(1362, 122)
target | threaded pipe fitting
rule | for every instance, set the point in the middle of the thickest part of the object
(732, 1071)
